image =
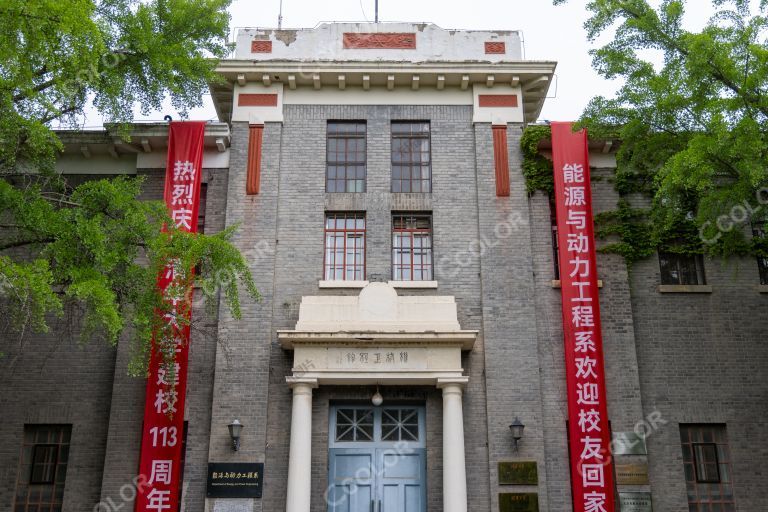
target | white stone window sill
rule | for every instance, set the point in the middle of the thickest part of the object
(556, 283)
(342, 284)
(762, 288)
(685, 288)
(413, 284)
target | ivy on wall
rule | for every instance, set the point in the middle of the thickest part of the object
(638, 233)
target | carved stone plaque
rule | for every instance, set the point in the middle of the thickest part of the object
(635, 502)
(628, 443)
(519, 502)
(631, 473)
(518, 473)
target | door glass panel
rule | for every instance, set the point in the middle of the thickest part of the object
(354, 424)
(400, 425)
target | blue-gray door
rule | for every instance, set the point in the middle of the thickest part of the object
(377, 459)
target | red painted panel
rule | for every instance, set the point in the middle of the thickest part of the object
(253, 175)
(498, 100)
(501, 160)
(261, 46)
(379, 40)
(257, 100)
(495, 47)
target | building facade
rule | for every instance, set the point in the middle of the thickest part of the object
(374, 174)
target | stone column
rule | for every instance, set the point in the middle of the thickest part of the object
(300, 455)
(454, 467)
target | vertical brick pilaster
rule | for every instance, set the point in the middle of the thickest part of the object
(501, 159)
(255, 135)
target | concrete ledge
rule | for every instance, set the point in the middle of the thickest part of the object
(685, 288)
(762, 288)
(342, 284)
(556, 283)
(413, 284)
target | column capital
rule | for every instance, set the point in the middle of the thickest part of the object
(300, 384)
(455, 384)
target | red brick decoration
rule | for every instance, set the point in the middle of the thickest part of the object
(263, 46)
(501, 160)
(498, 100)
(495, 47)
(253, 174)
(257, 100)
(379, 40)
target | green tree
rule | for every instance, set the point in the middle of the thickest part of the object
(691, 114)
(96, 249)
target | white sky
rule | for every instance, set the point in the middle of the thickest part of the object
(549, 32)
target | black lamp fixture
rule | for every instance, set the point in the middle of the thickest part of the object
(517, 431)
(234, 432)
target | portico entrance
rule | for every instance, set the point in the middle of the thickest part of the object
(377, 454)
(377, 459)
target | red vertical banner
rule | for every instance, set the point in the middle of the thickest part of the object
(161, 438)
(589, 435)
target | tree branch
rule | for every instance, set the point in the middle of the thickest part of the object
(22, 243)
(38, 88)
(716, 72)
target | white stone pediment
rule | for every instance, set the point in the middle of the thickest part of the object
(378, 308)
(377, 337)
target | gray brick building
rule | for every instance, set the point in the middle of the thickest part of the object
(398, 253)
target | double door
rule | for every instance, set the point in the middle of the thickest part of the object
(377, 460)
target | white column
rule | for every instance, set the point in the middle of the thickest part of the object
(454, 467)
(300, 455)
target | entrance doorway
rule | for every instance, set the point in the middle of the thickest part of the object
(377, 459)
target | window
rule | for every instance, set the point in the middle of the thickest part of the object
(201, 208)
(411, 162)
(42, 468)
(412, 247)
(354, 424)
(344, 246)
(760, 231)
(182, 463)
(345, 160)
(374, 426)
(706, 458)
(681, 268)
(555, 242)
(400, 424)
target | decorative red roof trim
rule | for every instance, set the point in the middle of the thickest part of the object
(380, 40)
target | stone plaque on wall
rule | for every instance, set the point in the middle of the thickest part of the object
(628, 443)
(518, 473)
(518, 502)
(635, 502)
(235, 479)
(377, 358)
(631, 473)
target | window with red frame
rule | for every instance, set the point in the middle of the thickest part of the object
(707, 461)
(412, 247)
(344, 247)
(42, 468)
